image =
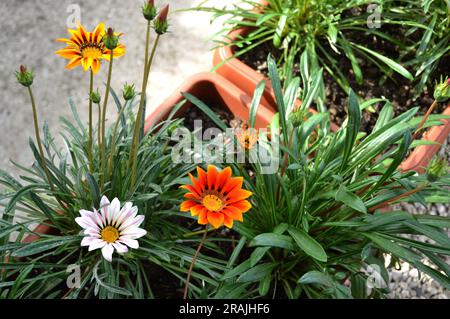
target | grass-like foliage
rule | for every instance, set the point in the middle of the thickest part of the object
(323, 218)
(332, 29)
(39, 269)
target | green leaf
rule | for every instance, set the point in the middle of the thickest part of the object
(316, 277)
(391, 63)
(353, 126)
(273, 240)
(351, 200)
(308, 244)
(256, 101)
(205, 109)
(256, 273)
(43, 245)
(94, 189)
(257, 254)
(279, 31)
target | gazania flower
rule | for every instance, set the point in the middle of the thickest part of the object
(87, 48)
(111, 228)
(247, 137)
(216, 198)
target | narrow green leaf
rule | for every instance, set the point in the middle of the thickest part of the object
(308, 244)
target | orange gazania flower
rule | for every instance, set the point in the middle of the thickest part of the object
(216, 198)
(87, 48)
(247, 137)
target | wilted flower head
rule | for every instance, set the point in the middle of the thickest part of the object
(161, 24)
(87, 48)
(149, 10)
(24, 76)
(442, 91)
(111, 228)
(216, 197)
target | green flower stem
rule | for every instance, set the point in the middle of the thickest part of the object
(38, 139)
(99, 128)
(144, 84)
(103, 120)
(91, 88)
(137, 124)
(191, 267)
(114, 137)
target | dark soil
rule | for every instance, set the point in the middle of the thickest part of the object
(194, 114)
(397, 89)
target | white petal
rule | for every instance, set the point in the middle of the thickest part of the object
(132, 222)
(112, 210)
(96, 244)
(98, 219)
(87, 241)
(120, 215)
(107, 252)
(85, 222)
(134, 233)
(129, 242)
(92, 232)
(104, 201)
(121, 249)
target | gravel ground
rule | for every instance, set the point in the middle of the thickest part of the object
(406, 282)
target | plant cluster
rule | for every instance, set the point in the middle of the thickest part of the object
(119, 218)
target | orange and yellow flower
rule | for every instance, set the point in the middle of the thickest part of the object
(247, 137)
(216, 197)
(87, 48)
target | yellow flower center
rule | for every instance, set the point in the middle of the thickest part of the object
(92, 52)
(109, 234)
(212, 202)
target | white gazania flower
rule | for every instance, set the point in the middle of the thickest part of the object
(111, 228)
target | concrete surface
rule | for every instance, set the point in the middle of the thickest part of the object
(28, 32)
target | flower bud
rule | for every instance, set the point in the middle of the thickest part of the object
(442, 91)
(149, 10)
(161, 25)
(128, 92)
(95, 97)
(24, 76)
(437, 168)
(297, 117)
(111, 40)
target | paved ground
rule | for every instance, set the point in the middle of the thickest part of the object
(28, 30)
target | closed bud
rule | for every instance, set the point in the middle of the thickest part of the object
(297, 117)
(24, 76)
(442, 91)
(437, 168)
(161, 25)
(95, 97)
(128, 92)
(111, 39)
(149, 10)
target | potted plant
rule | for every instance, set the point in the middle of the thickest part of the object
(318, 225)
(352, 53)
(106, 205)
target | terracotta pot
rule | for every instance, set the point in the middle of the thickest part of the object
(237, 71)
(211, 89)
(421, 156)
(247, 79)
(40, 229)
